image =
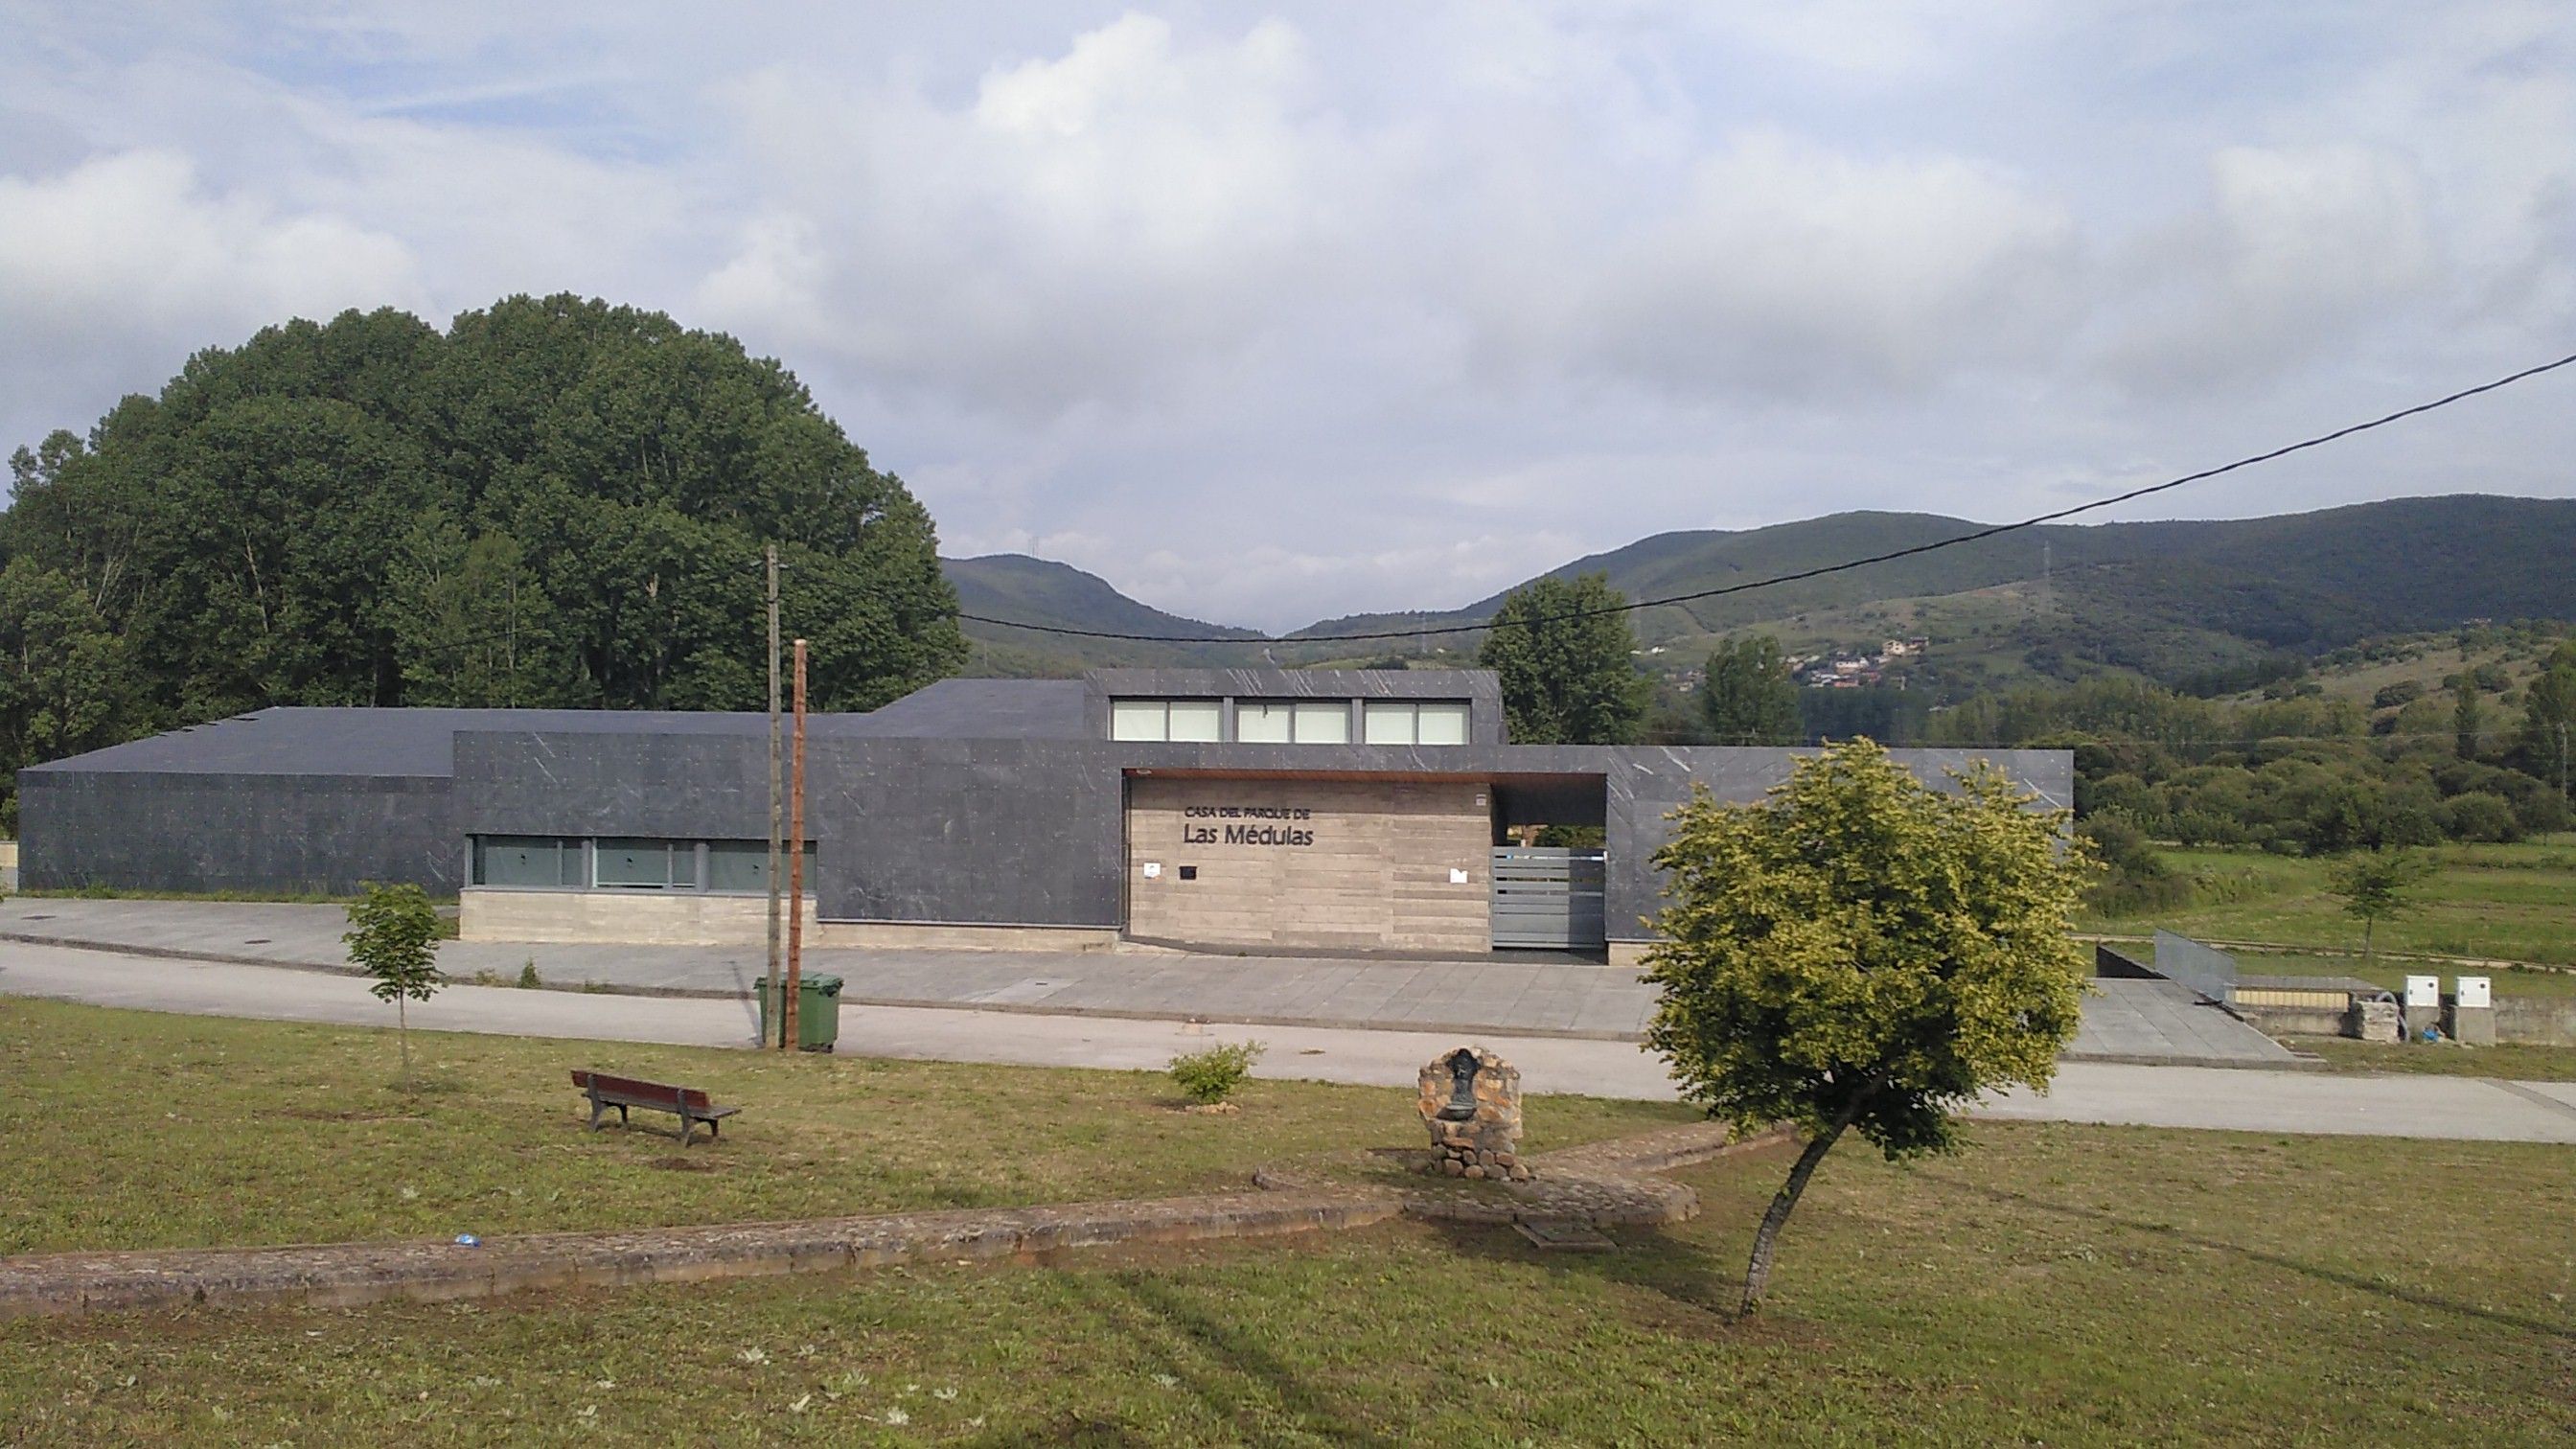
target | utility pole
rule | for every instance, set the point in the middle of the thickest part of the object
(2045, 570)
(775, 1006)
(796, 858)
(2562, 759)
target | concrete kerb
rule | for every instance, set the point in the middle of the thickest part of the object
(2299, 1061)
(1604, 1183)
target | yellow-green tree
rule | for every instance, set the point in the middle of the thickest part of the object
(1862, 952)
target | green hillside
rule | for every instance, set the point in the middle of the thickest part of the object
(1016, 586)
(2196, 602)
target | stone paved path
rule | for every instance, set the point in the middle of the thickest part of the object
(1540, 996)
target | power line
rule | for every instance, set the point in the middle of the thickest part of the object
(2204, 474)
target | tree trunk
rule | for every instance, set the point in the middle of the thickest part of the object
(1757, 1274)
(402, 1034)
(2366, 924)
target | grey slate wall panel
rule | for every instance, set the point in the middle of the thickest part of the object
(140, 830)
(998, 832)
(547, 783)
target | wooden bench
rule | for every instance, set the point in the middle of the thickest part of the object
(688, 1104)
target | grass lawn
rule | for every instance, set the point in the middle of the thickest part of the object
(2512, 1063)
(2510, 902)
(2062, 1285)
(136, 1129)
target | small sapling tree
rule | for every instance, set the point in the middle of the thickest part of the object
(393, 937)
(2376, 886)
(1864, 953)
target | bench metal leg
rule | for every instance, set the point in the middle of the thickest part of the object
(688, 1127)
(598, 1109)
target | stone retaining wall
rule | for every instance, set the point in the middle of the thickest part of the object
(1606, 1182)
(350, 1274)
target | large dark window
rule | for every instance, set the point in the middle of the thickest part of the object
(742, 866)
(625, 863)
(535, 862)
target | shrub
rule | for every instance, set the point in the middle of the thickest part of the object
(2479, 815)
(1211, 1076)
(528, 976)
(2136, 879)
(2404, 691)
(2203, 827)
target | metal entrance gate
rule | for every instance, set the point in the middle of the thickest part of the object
(1547, 898)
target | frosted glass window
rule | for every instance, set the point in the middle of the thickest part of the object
(1137, 719)
(1257, 723)
(1198, 720)
(1387, 723)
(638, 865)
(739, 866)
(1324, 724)
(1441, 724)
(527, 861)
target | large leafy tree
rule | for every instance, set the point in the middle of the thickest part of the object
(64, 684)
(2548, 741)
(555, 501)
(1747, 697)
(473, 625)
(1563, 649)
(1863, 952)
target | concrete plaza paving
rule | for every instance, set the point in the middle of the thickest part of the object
(2460, 1108)
(1536, 996)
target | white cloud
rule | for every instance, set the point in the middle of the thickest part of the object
(1375, 307)
(1083, 227)
(2296, 249)
(1789, 267)
(104, 267)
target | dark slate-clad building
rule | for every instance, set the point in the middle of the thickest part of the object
(1368, 810)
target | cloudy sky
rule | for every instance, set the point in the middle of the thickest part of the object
(1268, 315)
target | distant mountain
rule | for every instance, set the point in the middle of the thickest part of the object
(2171, 600)
(1016, 586)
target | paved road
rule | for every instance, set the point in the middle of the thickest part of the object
(1519, 995)
(2414, 1106)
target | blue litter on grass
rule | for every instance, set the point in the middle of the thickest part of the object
(468, 1240)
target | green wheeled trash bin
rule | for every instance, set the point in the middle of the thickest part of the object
(818, 1013)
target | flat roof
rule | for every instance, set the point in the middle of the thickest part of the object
(370, 742)
(319, 740)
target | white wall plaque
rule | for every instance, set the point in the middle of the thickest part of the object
(1457, 876)
(1153, 869)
